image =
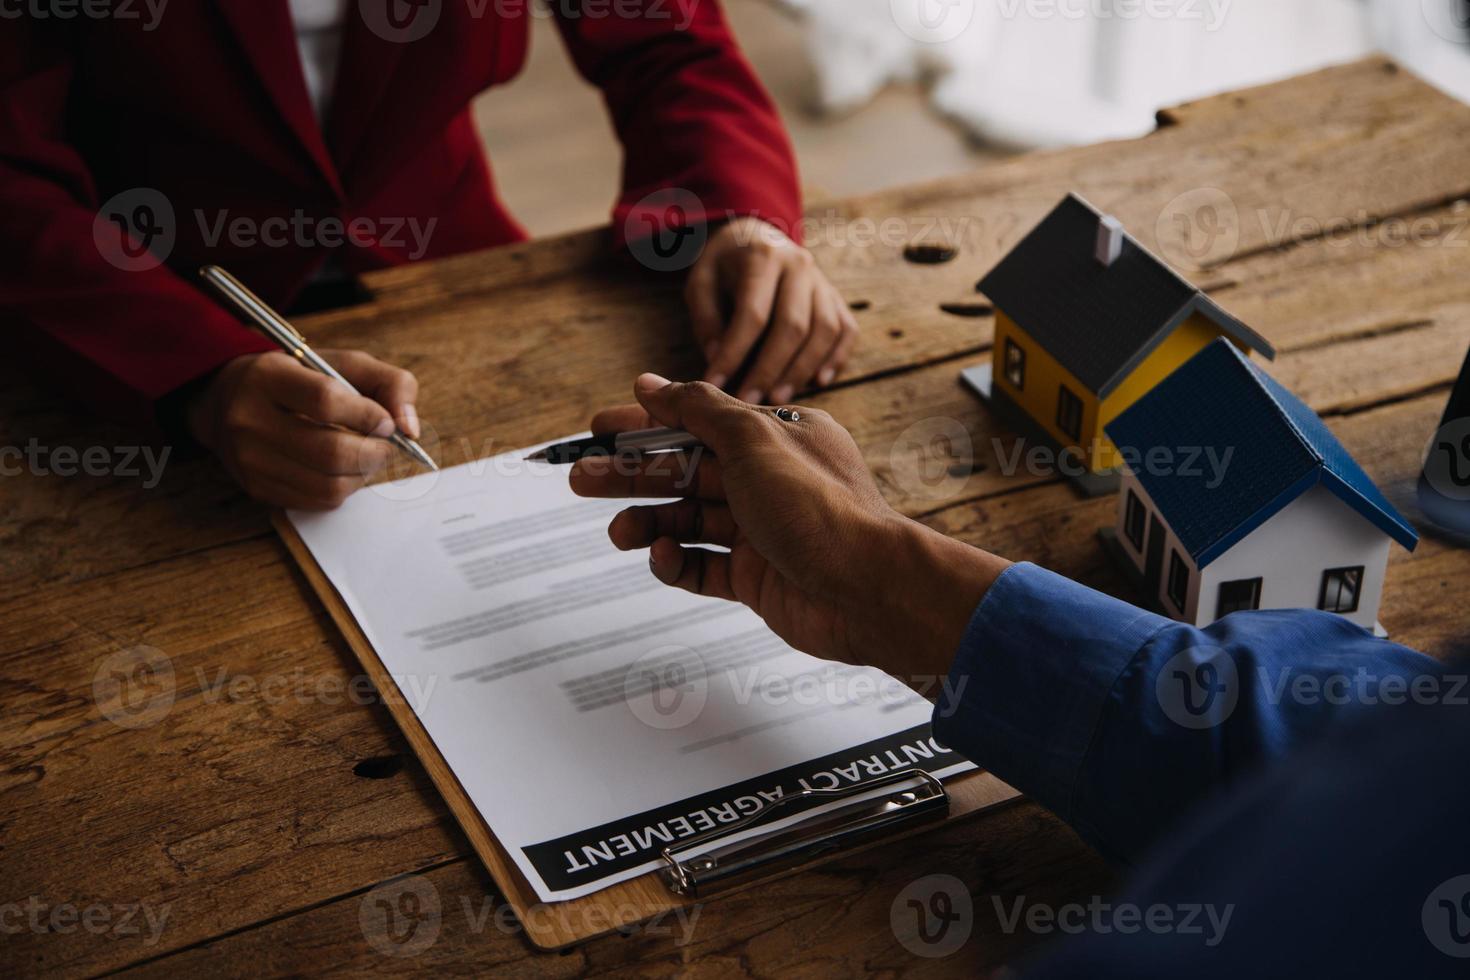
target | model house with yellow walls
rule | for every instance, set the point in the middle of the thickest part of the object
(1236, 496)
(1086, 322)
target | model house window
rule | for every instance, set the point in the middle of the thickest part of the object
(1178, 580)
(1133, 520)
(1242, 594)
(1069, 413)
(1340, 589)
(1015, 364)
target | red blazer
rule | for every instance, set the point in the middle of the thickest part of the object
(209, 109)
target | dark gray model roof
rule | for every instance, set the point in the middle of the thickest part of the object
(1098, 321)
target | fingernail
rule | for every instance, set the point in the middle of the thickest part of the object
(384, 429)
(718, 380)
(825, 376)
(752, 395)
(411, 420)
(656, 569)
(648, 381)
(782, 394)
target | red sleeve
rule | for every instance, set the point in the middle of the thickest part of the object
(687, 108)
(119, 329)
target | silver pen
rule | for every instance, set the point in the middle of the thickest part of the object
(274, 326)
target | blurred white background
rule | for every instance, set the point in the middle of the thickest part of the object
(877, 93)
(1035, 73)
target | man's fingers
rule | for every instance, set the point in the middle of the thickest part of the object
(392, 387)
(696, 570)
(689, 521)
(300, 390)
(755, 295)
(693, 474)
(820, 343)
(790, 324)
(622, 418)
(701, 409)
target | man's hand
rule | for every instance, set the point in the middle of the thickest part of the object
(296, 438)
(814, 548)
(773, 289)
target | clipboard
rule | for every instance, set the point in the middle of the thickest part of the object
(906, 802)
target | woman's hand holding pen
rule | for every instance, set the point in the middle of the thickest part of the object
(296, 438)
(814, 548)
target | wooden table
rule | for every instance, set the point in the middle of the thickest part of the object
(264, 796)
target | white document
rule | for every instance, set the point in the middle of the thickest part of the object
(592, 714)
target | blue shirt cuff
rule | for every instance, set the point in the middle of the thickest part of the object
(1029, 682)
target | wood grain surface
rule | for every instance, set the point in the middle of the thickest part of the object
(190, 756)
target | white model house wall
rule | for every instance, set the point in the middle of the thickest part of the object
(1289, 553)
(1313, 533)
(1171, 544)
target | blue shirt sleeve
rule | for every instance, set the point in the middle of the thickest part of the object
(1119, 720)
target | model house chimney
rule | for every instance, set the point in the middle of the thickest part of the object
(1109, 240)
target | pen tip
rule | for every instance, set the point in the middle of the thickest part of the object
(537, 457)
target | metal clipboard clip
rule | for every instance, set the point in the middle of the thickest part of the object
(695, 869)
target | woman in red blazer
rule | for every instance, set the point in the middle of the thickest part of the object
(293, 141)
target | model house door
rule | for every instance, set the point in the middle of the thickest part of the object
(1153, 566)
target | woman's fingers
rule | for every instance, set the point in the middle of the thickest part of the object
(302, 391)
(279, 493)
(692, 474)
(702, 297)
(791, 321)
(269, 475)
(696, 570)
(333, 451)
(754, 294)
(392, 387)
(786, 320)
(821, 342)
(690, 521)
(846, 342)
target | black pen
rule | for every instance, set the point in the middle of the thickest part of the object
(641, 441)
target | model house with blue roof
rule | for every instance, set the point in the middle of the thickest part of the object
(1237, 496)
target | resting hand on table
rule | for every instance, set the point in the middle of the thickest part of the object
(815, 551)
(773, 289)
(295, 438)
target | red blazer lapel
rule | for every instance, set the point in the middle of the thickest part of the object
(268, 38)
(363, 80)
